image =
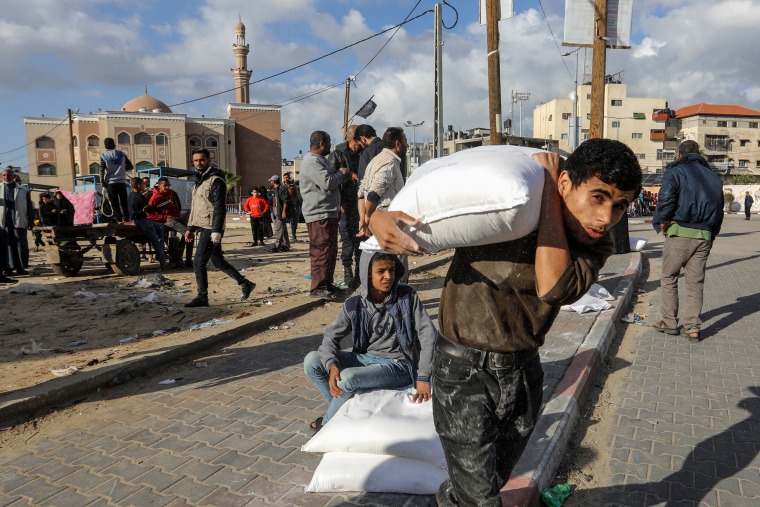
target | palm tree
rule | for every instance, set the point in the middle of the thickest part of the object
(231, 181)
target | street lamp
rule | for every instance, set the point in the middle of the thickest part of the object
(414, 142)
(576, 116)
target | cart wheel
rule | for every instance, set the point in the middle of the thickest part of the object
(66, 259)
(127, 258)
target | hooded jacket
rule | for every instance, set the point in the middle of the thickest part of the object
(398, 328)
(114, 165)
(164, 205)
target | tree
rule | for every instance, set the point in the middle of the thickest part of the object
(741, 179)
(231, 181)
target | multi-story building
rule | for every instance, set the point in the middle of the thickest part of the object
(632, 120)
(247, 142)
(729, 135)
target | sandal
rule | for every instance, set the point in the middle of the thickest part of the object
(693, 336)
(661, 327)
(316, 424)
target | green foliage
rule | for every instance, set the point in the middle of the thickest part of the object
(741, 179)
(231, 181)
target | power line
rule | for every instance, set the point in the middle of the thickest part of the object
(555, 40)
(30, 142)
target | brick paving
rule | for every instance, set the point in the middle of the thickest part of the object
(226, 435)
(687, 416)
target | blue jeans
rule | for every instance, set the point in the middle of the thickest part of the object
(155, 234)
(357, 371)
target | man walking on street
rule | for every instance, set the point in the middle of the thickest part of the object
(281, 211)
(748, 202)
(347, 155)
(207, 215)
(114, 166)
(689, 214)
(17, 215)
(321, 209)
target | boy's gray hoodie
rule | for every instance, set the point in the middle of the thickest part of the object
(398, 328)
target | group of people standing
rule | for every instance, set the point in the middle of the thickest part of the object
(272, 210)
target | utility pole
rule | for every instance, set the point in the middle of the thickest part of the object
(576, 117)
(596, 127)
(438, 105)
(521, 97)
(71, 146)
(345, 107)
(494, 70)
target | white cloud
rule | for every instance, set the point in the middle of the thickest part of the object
(648, 47)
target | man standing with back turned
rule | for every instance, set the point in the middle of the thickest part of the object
(114, 166)
(689, 214)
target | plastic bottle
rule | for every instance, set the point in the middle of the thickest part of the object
(555, 496)
(122, 377)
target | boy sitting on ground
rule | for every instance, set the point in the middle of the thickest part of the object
(138, 213)
(393, 339)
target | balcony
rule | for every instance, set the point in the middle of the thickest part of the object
(660, 116)
(725, 146)
(658, 135)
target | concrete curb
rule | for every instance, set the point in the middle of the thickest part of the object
(546, 448)
(42, 398)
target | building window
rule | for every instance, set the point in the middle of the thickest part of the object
(588, 116)
(641, 156)
(616, 124)
(142, 138)
(744, 142)
(211, 142)
(616, 102)
(665, 155)
(588, 96)
(93, 141)
(162, 164)
(144, 164)
(94, 168)
(716, 143)
(550, 117)
(46, 170)
(44, 142)
(76, 167)
(757, 164)
(733, 124)
(565, 116)
(639, 116)
(161, 140)
(743, 163)
(195, 142)
(585, 136)
(722, 124)
(753, 124)
(637, 135)
(76, 142)
(123, 138)
(564, 137)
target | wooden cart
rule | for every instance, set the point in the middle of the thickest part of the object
(117, 245)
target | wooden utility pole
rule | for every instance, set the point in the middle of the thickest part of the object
(345, 107)
(494, 70)
(596, 126)
(71, 146)
(438, 63)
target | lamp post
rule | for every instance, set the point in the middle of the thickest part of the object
(576, 116)
(414, 142)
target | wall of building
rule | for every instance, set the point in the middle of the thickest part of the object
(258, 148)
(741, 148)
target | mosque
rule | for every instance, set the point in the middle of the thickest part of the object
(247, 142)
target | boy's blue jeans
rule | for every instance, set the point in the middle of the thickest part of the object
(357, 371)
(155, 234)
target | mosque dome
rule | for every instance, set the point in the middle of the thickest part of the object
(146, 103)
(239, 26)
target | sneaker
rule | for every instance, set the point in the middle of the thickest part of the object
(275, 250)
(197, 303)
(4, 280)
(261, 243)
(322, 293)
(22, 272)
(248, 287)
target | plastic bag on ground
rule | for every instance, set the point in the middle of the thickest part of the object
(591, 301)
(31, 288)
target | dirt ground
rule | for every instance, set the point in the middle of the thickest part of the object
(588, 451)
(95, 317)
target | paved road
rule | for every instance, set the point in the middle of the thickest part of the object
(229, 434)
(687, 416)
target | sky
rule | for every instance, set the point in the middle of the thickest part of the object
(98, 54)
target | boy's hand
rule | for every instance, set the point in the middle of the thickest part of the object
(333, 382)
(423, 392)
(385, 225)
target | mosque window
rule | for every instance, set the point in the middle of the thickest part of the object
(211, 142)
(162, 164)
(142, 138)
(195, 142)
(161, 140)
(46, 170)
(94, 168)
(123, 138)
(44, 142)
(144, 165)
(93, 141)
(76, 142)
(76, 168)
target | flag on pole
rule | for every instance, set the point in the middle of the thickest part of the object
(367, 109)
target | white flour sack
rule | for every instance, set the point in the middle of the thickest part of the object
(479, 196)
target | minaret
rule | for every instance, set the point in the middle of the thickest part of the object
(240, 73)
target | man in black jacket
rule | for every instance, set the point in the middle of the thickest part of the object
(689, 214)
(346, 155)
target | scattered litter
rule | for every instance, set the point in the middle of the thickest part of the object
(308, 277)
(600, 292)
(64, 371)
(158, 332)
(268, 303)
(92, 362)
(273, 328)
(149, 298)
(150, 281)
(36, 349)
(201, 364)
(77, 343)
(122, 377)
(128, 339)
(652, 422)
(641, 291)
(208, 323)
(593, 301)
(288, 324)
(31, 289)
(634, 318)
(555, 496)
(85, 294)
(167, 381)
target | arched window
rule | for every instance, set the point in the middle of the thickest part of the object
(76, 142)
(144, 164)
(45, 142)
(76, 168)
(46, 170)
(123, 138)
(161, 140)
(94, 168)
(93, 141)
(195, 142)
(211, 142)
(142, 138)
(162, 164)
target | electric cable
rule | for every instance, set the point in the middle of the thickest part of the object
(456, 20)
(555, 40)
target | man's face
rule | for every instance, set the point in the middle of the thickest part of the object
(46, 199)
(402, 146)
(286, 179)
(592, 208)
(326, 146)
(146, 182)
(354, 144)
(163, 186)
(200, 162)
(383, 275)
(7, 175)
